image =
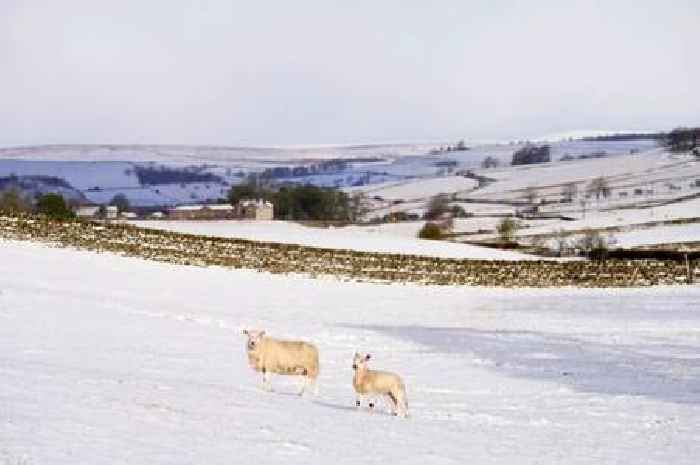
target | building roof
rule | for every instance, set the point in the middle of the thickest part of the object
(254, 203)
(86, 210)
(196, 207)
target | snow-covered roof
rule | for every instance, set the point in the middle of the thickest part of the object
(254, 203)
(220, 206)
(89, 210)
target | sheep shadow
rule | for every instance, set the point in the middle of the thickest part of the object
(654, 371)
(323, 403)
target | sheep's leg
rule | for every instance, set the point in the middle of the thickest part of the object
(401, 405)
(304, 384)
(394, 404)
(267, 383)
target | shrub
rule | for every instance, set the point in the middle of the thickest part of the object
(53, 206)
(532, 154)
(506, 229)
(430, 231)
(12, 201)
(594, 245)
(121, 202)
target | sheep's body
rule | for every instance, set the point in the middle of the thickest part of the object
(368, 382)
(294, 358)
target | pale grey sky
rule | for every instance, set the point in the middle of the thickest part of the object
(323, 71)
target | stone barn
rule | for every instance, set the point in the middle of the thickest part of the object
(254, 209)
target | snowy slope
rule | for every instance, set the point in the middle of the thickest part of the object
(81, 175)
(367, 239)
(193, 154)
(422, 188)
(659, 235)
(108, 360)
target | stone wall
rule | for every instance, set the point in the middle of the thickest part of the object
(345, 264)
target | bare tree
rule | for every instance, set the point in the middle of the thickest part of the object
(531, 195)
(438, 205)
(490, 162)
(599, 187)
(583, 201)
(561, 242)
(569, 191)
(359, 206)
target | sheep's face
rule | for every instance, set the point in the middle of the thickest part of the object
(359, 361)
(254, 338)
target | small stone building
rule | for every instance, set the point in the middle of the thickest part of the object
(86, 211)
(254, 209)
(111, 212)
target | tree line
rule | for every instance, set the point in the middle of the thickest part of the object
(683, 140)
(301, 202)
(52, 205)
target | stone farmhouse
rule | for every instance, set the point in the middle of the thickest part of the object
(254, 209)
(93, 211)
(247, 209)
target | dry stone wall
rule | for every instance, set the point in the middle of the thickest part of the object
(197, 250)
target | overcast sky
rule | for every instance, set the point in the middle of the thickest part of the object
(322, 71)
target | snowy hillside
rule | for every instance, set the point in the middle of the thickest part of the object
(228, 156)
(117, 360)
(643, 183)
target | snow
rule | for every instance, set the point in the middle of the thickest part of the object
(80, 175)
(424, 188)
(644, 168)
(197, 154)
(659, 235)
(107, 359)
(368, 239)
(622, 218)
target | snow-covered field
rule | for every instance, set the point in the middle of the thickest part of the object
(659, 235)
(422, 188)
(400, 239)
(106, 359)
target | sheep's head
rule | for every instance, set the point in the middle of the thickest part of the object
(254, 338)
(359, 361)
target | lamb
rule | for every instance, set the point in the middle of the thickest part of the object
(371, 382)
(295, 358)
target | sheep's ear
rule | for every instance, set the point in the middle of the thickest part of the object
(261, 333)
(367, 357)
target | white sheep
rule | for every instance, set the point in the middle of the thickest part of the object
(296, 358)
(369, 383)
